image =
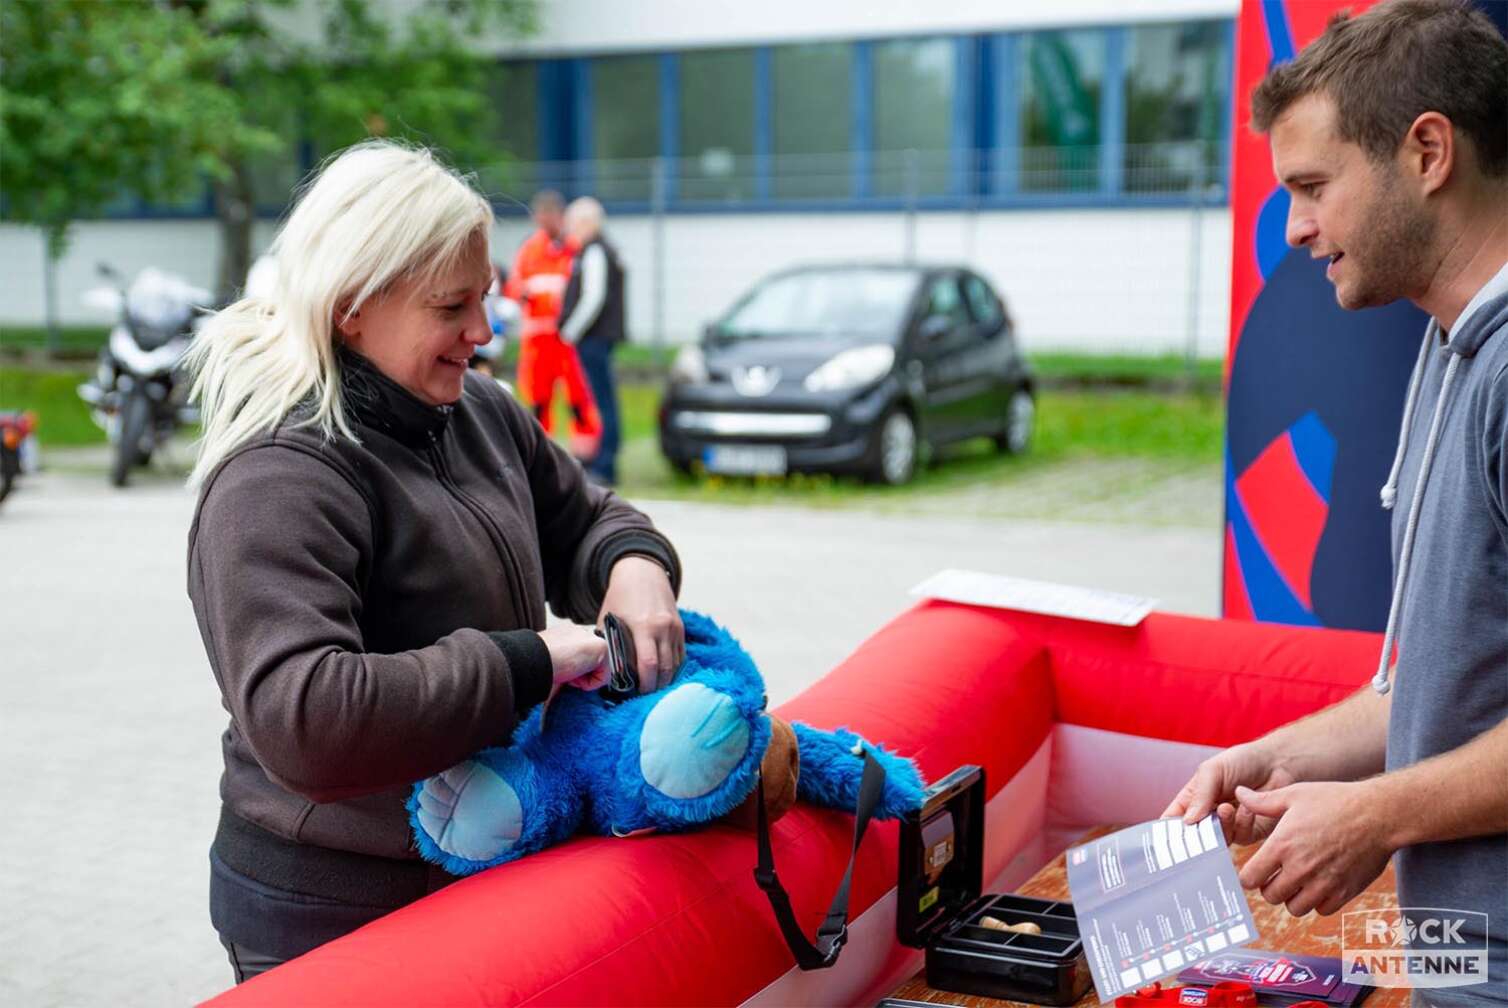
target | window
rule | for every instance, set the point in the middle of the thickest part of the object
(188, 201)
(812, 116)
(913, 116)
(868, 302)
(1060, 77)
(512, 121)
(625, 94)
(1177, 84)
(982, 303)
(513, 108)
(191, 200)
(943, 299)
(717, 125)
(274, 177)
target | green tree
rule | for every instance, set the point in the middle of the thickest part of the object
(338, 71)
(151, 98)
(102, 100)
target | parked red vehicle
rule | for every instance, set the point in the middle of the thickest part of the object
(17, 448)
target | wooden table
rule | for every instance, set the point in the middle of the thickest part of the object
(1277, 929)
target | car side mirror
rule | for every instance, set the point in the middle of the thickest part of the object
(934, 328)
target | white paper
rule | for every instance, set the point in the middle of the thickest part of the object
(1191, 835)
(1047, 597)
(1155, 921)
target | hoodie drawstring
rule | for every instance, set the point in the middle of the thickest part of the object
(1380, 680)
(1390, 488)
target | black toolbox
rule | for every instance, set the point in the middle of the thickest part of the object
(939, 907)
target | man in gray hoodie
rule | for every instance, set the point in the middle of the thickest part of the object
(1390, 134)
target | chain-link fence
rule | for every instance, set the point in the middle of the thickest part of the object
(1095, 249)
(719, 178)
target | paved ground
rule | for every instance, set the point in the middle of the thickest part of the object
(109, 720)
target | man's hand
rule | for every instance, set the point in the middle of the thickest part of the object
(1213, 789)
(639, 593)
(1330, 842)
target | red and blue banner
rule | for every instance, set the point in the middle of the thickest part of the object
(1315, 393)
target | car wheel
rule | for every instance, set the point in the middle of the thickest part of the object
(1020, 422)
(895, 449)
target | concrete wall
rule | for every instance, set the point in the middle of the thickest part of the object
(1089, 280)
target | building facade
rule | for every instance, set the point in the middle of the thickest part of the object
(1074, 152)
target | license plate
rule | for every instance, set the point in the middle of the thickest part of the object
(745, 460)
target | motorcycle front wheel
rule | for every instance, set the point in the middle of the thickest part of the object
(135, 416)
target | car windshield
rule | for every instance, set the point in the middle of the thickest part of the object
(846, 302)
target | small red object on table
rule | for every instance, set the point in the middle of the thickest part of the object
(1226, 994)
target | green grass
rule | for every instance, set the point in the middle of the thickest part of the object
(1177, 428)
(1073, 424)
(1126, 369)
(1070, 424)
(644, 362)
(73, 342)
(76, 343)
(62, 417)
(1183, 426)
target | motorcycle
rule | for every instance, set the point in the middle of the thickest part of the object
(138, 396)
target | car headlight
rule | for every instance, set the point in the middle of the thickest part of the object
(852, 368)
(689, 366)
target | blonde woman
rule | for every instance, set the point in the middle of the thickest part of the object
(378, 531)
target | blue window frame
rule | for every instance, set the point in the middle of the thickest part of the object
(982, 143)
(1075, 116)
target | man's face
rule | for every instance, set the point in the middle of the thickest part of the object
(1347, 208)
(549, 217)
(579, 229)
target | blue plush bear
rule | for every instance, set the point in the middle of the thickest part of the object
(684, 755)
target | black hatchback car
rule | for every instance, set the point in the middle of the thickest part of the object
(848, 368)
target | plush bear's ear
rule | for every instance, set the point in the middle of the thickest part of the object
(780, 769)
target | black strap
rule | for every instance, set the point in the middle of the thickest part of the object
(833, 932)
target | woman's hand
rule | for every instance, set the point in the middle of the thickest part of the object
(639, 593)
(577, 655)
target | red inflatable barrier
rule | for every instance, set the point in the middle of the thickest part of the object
(1076, 725)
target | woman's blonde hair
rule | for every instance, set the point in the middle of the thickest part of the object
(377, 213)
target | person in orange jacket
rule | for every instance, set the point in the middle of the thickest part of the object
(538, 281)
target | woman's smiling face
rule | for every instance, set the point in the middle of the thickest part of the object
(421, 334)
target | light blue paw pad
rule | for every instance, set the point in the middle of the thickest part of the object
(692, 741)
(471, 812)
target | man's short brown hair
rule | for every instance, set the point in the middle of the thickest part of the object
(1391, 64)
(546, 199)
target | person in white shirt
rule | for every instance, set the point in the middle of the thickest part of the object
(593, 320)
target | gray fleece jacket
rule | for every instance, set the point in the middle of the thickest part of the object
(1450, 607)
(368, 608)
